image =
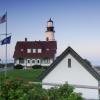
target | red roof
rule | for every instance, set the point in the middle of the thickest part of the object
(48, 49)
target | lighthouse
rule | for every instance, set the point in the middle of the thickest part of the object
(50, 31)
(32, 53)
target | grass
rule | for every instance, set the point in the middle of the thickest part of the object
(28, 75)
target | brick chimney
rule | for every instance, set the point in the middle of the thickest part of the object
(25, 39)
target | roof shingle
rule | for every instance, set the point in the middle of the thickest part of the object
(48, 49)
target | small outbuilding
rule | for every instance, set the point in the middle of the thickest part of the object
(71, 68)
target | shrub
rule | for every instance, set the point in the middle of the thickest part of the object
(45, 67)
(18, 67)
(65, 90)
(37, 67)
(75, 96)
(15, 89)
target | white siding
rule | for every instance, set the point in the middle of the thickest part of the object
(77, 74)
(16, 61)
(50, 35)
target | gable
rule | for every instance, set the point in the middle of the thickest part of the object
(74, 74)
(60, 59)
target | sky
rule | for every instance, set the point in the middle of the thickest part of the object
(76, 22)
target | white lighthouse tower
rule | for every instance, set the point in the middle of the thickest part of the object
(50, 31)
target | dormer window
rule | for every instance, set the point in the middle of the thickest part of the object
(69, 63)
(21, 49)
(39, 50)
(47, 49)
(28, 50)
(34, 50)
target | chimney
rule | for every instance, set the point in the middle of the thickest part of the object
(25, 39)
(47, 39)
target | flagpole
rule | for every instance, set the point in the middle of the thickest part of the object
(6, 49)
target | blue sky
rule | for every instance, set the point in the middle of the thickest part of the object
(77, 24)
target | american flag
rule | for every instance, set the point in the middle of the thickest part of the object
(3, 19)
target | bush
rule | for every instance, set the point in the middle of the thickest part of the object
(64, 92)
(75, 96)
(15, 89)
(45, 67)
(18, 67)
(37, 67)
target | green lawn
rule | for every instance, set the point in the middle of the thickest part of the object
(28, 75)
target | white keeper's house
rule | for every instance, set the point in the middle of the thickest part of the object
(30, 53)
(71, 68)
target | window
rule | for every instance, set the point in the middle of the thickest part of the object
(33, 61)
(46, 60)
(21, 60)
(47, 49)
(28, 61)
(28, 50)
(21, 49)
(38, 61)
(34, 50)
(39, 50)
(69, 63)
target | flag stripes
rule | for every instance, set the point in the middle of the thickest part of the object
(3, 18)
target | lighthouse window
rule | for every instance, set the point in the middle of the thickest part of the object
(69, 63)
